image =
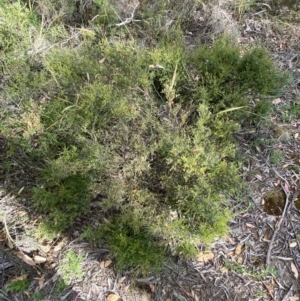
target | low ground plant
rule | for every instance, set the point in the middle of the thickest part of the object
(17, 286)
(70, 269)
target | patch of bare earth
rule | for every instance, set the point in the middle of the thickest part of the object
(260, 258)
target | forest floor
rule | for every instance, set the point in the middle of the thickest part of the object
(259, 259)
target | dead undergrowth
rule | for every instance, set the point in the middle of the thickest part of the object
(246, 266)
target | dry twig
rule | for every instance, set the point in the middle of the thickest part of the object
(129, 20)
(287, 196)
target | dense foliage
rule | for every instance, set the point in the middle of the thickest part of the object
(96, 117)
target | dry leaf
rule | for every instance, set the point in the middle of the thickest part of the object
(224, 269)
(158, 66)
(296, 135)
(294, 270)
(168, 299)
(293, 244)
(58, 246)
(39, 259)
(294, 298)
(9, 243)
(266, 238)
(102, 60)
(238, 249)
(205, 257)
(41, 281)
(239, 260)
(20, 254)
(230, 253)
(145, 297)
(25, 258)
(259, 177)
(105, 264)
(276, 101)
(28, 260)
(21, 190)
(20, 278)
(113, 297)
(250, 225)
(152, 287)
(229, 240)
(194, 295)
(46, 249)
(286, 188)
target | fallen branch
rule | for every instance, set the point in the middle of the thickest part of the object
(277, 227)
(129, 20)
(286, 297)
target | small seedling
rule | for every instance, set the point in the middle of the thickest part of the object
(60, 286)
(17, 286)
(71, 267)
(259, 293)
(241, 269)
(276, 157)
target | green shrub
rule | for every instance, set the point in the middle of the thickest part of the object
(132, 243)
(64, 200)
(135, 148)
(227, 78)
(136, 127)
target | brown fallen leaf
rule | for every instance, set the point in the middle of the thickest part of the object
(276, 101)
(224, 270)
(25, 258)
(205, 257)
(152, 287)
(194, 295)
(39, 259)
(41, 281)
(105, 264)
(238, 249)
(21, 190)
(294, 270)
(259, 177)
(113, 297)
(145, 297)
(20, 278)
(9, 243)
(59, 246)
(28, 260)
(229, 240)
(46, 249)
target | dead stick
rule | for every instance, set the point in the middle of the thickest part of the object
(287, 195)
